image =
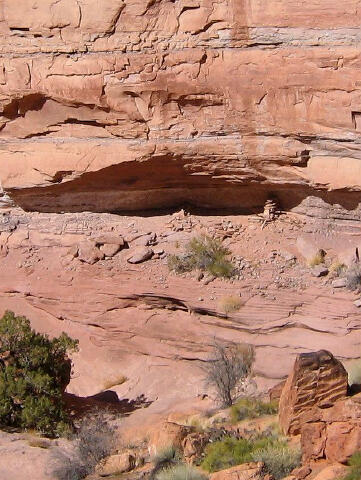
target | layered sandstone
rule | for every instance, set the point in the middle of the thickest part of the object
(317, 379)
(137, 104)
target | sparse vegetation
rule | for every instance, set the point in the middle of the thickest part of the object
(205, 254)
(39, 443)
(93, 441)
(229, 304)
(34, 371)
(318, 258)
(355, 470)
(230, 365)
(353, 278)
(252, 408)
(181, 472)
(165, 457)
(278, 458)
(337, 268)
(232, 451)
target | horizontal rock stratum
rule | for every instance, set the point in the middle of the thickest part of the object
(134, 104)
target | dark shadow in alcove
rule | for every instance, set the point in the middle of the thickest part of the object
(103, 401)
(168, 183)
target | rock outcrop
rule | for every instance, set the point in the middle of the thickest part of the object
(332, 433)
(317, 379)
(246, 471)
(133, 105)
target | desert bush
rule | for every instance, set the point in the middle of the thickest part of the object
(166, 457)
(181, 472)
(337, 268)
(34, 371)
(318, 258)
(232, 451)
(229, 366)
(353, 278)
(39, 443)
(355, 470)
(229, 304)
(93, 441)
(252, 408)
(203, 253)
(278, 458)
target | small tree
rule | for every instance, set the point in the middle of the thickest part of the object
(34, 371)
(229, 366)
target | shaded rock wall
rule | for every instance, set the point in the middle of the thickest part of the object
(137, 104)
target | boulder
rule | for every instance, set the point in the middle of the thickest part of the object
(276, 391)
(139, 254)
(110, 249)
(168, 434)
(339, 283)
(317, 379)
(88, 252)
(193, 446)
(333, 433)
(319, 271)
(117, 464)
(109, 238)
(145, 240)
(335, 471)
(246, 471)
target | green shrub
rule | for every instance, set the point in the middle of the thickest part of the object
(34, 372)
(355, 464)
(203, 253)
(181, 472)
(252, 408)
(279, 459)
(231, 451)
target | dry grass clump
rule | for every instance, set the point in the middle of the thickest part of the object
(318, 258)
(338, 268)
(279, 459)
(181, 472)
(205, 254)
(230, 304)
(39, 443)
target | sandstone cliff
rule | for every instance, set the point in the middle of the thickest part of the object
(133, 104)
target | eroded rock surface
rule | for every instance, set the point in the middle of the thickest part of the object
(332, 433)
(317, 379)
(134, 105)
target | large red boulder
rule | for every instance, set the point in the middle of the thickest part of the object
(317, 379)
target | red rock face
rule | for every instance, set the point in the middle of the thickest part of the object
(332, 433)
(317, 379)
(136, 104)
